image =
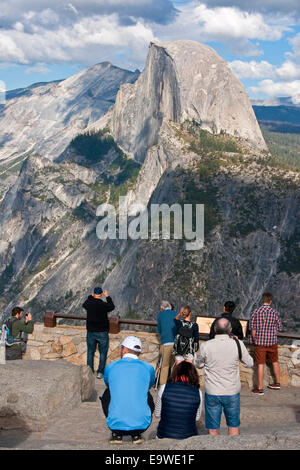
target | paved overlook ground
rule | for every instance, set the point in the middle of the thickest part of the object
(268, 422)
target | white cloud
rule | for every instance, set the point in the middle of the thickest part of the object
(9, 50)
(295, 42)
(18, 26)
(89, 40)
(257, 70)
(71, 7)
(275, 81)
(233, 23)
(43, 70)
(270, 88)
(287, 6)
(89, 31)
(253, 69)
(230, 25)
(159, 11)
(288, 70)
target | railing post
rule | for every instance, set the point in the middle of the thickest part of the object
(114, 325)
(50, 319)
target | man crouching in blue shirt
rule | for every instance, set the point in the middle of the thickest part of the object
(127, 402)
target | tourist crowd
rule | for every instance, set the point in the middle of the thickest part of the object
(127, 402)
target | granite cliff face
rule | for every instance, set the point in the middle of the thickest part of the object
(184, 132)
(182, 80)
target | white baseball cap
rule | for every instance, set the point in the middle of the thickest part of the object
(133, 343)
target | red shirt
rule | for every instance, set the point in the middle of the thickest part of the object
(266, 323)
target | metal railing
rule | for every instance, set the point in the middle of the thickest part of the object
(116, 322)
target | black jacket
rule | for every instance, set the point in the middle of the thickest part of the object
(237, 329)
(179, 404)
(97, 311)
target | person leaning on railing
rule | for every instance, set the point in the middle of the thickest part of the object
(97, 326)
(265, 324)
(236, 325)
(167, 331)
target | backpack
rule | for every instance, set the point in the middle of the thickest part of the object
(8, 337)
(184, 342)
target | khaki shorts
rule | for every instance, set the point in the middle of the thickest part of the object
(261, 353)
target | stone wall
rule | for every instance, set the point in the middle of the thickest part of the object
(69, 343)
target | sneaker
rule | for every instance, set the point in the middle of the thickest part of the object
(137, 439)
(116, 438)
(100, 376)
(258, 391)
(274, 386)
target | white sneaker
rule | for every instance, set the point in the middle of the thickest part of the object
(100, 376)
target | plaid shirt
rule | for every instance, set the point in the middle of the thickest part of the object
(266, 322)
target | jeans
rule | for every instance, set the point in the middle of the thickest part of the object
(93, 338)
(13, 354)
(214, 405)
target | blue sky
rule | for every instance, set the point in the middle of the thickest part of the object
(44, 41)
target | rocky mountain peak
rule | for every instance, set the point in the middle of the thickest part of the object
(44, 118)
(182, 80)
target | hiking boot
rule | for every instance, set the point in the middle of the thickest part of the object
(100, 376)
(116, 438)
(258, 391)
(137, 439)
(274, 386)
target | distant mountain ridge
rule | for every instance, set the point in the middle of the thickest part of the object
(278, 114)
(284, 119)
(277, 101)
(44, 117)
(17, 92)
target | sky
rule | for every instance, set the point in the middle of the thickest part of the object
(41, 41)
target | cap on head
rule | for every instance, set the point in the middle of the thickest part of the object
(133, 343)
(98, 290)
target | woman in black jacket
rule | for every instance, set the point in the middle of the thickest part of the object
(179, 403)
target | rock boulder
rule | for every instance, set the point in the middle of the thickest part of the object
(35, 391)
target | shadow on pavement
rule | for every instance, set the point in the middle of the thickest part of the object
(13, 428)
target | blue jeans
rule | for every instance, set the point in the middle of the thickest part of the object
(214, 405)
(94, 338)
